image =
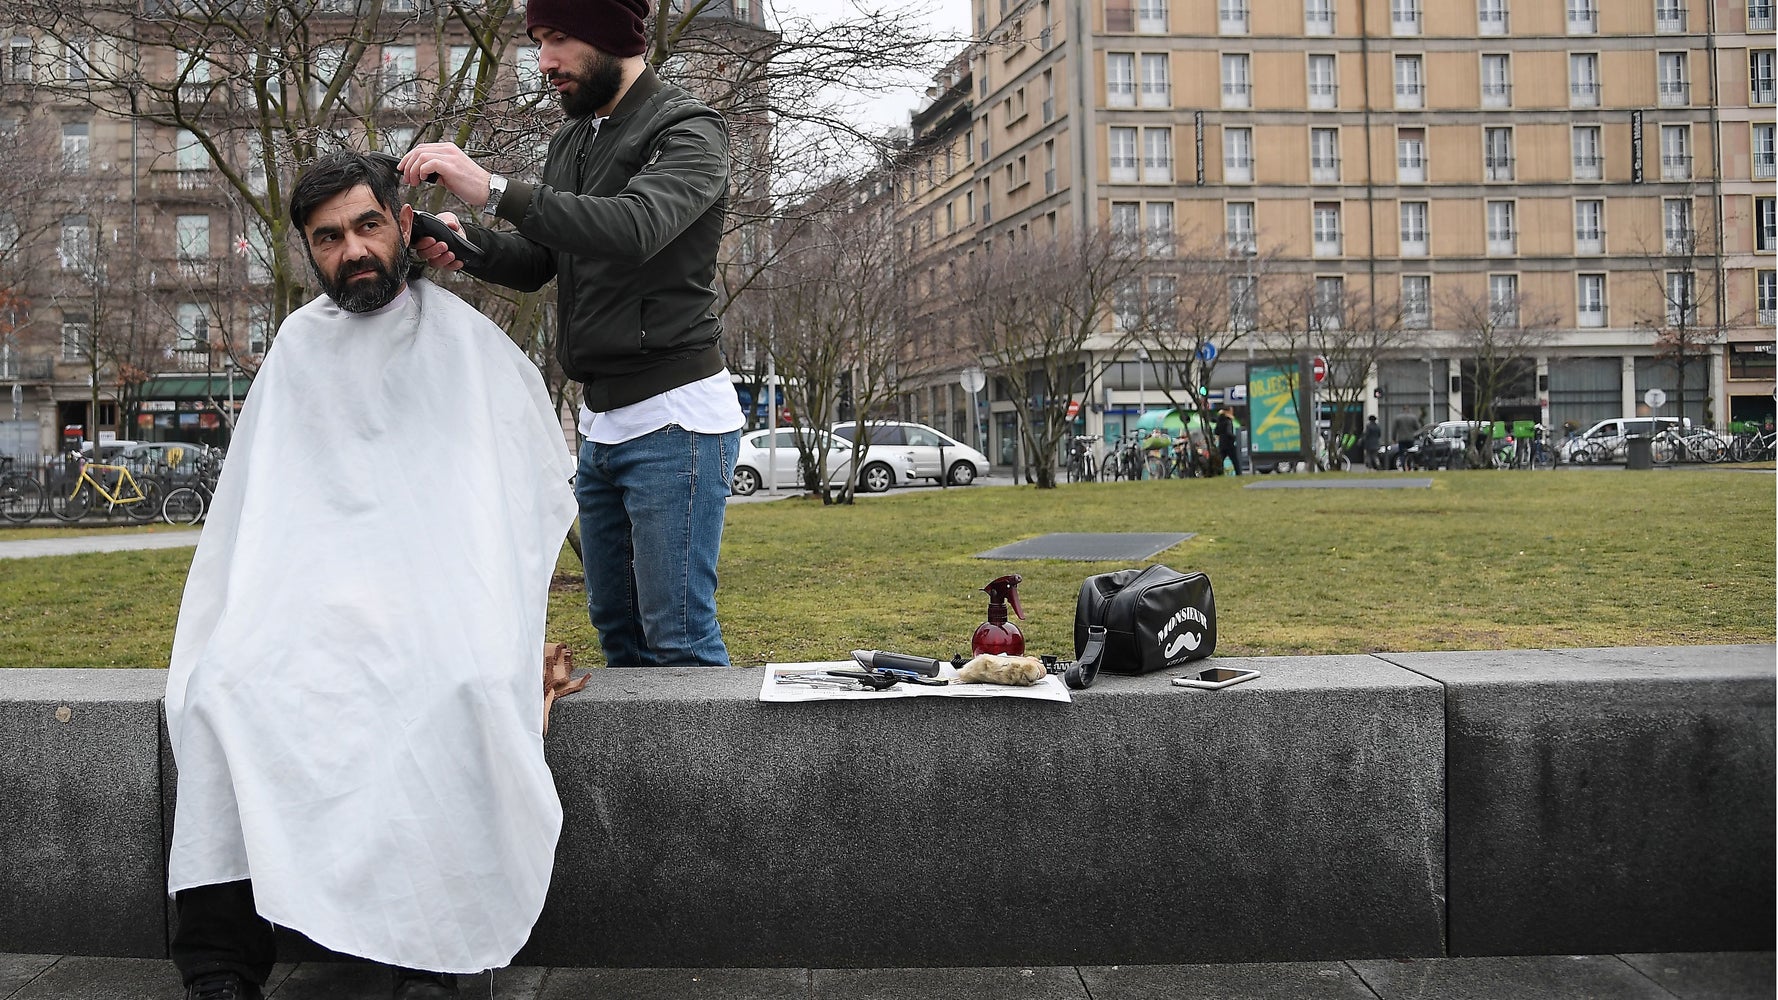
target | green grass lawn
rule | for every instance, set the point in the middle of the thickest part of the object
(1481, 560)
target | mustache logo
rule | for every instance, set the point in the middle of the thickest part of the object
(1185, 640)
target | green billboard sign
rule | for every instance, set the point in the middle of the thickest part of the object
(1272, 409)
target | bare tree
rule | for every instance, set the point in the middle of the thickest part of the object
(1032, 309)
(1686, 309)
(28, 225)
(1500, 332)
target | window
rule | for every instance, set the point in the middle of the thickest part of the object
(1123, 155)
(1590, 300)
(1497, 154)
(194, 83)
(1326, 218)
(1157, 92)
(192, 236)
(1126, 305)
(1766, 296)
(1237, 81)
(400, 138)
(1672, 87)
(1049, 96)
(76, 147)
(1682, 298)
(1318, 17)
(1589, 226)
(1120, 79)
(1676, 225)
(1410, 82)
(193, 328)
(255, 166)
(1583, 17)
(18, 63)
(1324, 86)
(1404, 17)
(1163, 300)
(1329, 306)
(1759, 15)
(1497, 81)
(1415, 241)
(400, 76)
(1324, 155)
(1759, 75)
(75, 339)
(1676, 152)
(1126, 222)
(1410, 155)
(75, 251)
(1583, 80)
(1231, 17)
(743, 9)
(1765, 158)
(1765, 217)
(1503, 299)
(190, 159)
(1157, 226)
(328, 59)
(1237, 155)
(1502, 237)
(1589, 164)
(258, 251)
(530, 78)
(1151, 17)
(77, 66)
(1669, 16)
(1243, 302)
(1491, 17)
(1416, 301)
(1242, 237)
(1049, 168)
(1157, 156)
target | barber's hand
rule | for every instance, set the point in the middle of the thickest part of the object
(455, 170)
(436, 254)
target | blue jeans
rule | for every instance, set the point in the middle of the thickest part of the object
(651, 514)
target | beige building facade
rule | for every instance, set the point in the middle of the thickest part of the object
(1604, 166)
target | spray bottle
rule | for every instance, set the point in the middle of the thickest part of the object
(997, 635)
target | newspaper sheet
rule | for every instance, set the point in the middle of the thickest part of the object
(793, 682)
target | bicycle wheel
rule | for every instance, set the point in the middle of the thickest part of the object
(145, 505)
(21, 498)
(1664, 451)
(183, 506)
(72, 506)
(1712, 449)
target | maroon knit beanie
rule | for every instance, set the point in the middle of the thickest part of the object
(611, 26)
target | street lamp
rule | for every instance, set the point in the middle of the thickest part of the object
(1141, 383)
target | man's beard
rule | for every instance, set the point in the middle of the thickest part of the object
(370, 294)
(597, 81)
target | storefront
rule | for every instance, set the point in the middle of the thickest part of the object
(199, 409)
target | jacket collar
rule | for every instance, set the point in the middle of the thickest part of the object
(644, 87)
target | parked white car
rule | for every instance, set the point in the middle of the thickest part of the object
(754, 459)
(1604, 441)
(931, 452)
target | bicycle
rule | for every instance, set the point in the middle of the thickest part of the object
(188, 503)
(1671, 446)
(21, 495)
(1081, 467)
(1754, 446)
(1126, 461)
(140, 498)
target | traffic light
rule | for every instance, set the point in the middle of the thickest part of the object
(1377, 393)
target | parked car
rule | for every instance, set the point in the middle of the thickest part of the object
(932, 452)
(754, 459)
(1604, 441)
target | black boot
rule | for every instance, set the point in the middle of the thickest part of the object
(414, 984)
(222, 986)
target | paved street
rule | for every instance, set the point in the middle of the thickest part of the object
(1718, 976)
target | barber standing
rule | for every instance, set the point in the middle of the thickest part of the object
(627, 218)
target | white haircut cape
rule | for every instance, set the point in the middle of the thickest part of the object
(356, 690)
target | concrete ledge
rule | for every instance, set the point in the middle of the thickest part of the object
(83, 869)
(1595, 801)
(1620, 796)
(1298, 815)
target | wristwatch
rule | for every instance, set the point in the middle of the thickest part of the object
(496, 188)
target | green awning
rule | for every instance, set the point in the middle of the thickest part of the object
(177, 387)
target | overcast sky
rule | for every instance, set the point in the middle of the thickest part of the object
(942, 17)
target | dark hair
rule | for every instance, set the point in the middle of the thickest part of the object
(340, 171)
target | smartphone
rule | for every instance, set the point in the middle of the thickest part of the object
(427, 224)
(1215, 677)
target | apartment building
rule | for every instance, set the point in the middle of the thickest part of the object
(1606, 166)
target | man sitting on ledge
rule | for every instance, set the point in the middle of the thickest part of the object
(355, 694)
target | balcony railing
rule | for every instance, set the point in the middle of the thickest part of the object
(1502, 243)
(1157, 95)
(1049, 181)
(1049, 109)
(1679, 240)
(1237, 95)
(1767, 317)
(1764, 169)
(1324, 95)
(1589, 241)
(1675, 94)
(1326, 245)
(1121, 19)
(1120, 94)
(1324, 171)
(1497, 95)
(1590, 317)
(1123, 172)
(1232, 20)
(1404, 22)
(1497, 168)
(1589, 168)
(1409, 96)
(1414, 244)
(1676, 167)
(1763, 93)
(1318, 22)
(1583, 20)
(1494, 22)
(1759, 18)
(1670, 20)
(1238, 169)
(1241, 241)
(1411, 171)
(1583, 95)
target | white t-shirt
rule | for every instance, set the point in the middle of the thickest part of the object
(707, 406)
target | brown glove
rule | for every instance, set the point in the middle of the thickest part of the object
(558, 676)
